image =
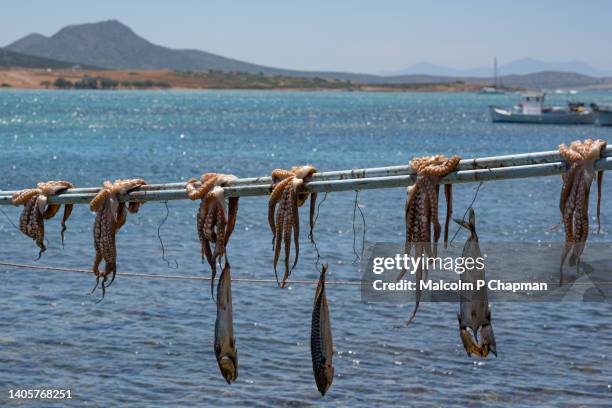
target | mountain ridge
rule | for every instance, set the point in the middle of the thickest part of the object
(523, 66)
(11, 59)
(111, 44)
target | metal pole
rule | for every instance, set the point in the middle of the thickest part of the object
(521, 159)
(462, 176)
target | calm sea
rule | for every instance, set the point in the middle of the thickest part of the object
(150, 342)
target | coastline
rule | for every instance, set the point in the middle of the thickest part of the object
(29, 78)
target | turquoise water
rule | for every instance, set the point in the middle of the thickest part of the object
(149, 342)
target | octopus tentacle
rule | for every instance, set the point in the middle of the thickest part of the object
(37, 209)
(280, 218)
(214, 224)
(313, 205)
(580, 158)
(600, 175)
(448, 193)
(111, 215)
(287, 195)
(275, 197)
(421, 212)
(287, 227)
(23, 196)
(232, 214)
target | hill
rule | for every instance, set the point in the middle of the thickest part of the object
(10, 59)
(113, 45)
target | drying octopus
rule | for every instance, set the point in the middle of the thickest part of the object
(287, 195)
(214, 224)
(111, 215)
(422, 211)
(37, 209)
(580, 158)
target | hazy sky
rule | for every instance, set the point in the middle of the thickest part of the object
(366, 36)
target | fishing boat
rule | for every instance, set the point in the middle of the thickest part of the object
(603, 114)
(531, 109)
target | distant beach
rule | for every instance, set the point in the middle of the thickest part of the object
(22, 78)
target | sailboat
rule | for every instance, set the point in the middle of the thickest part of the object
(495, 89)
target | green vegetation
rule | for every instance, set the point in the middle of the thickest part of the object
(217, 79)
(145, 84)
(62, 83)
(103, 83)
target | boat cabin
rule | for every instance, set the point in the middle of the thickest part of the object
(532, 103)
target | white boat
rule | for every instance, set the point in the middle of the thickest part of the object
(495, 89)
(491, 90)
(603, 114)
(531, 109)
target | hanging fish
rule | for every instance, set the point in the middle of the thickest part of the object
(225, 342)
(474, 312)
(321, 344)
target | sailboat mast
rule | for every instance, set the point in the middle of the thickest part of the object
(495, 71)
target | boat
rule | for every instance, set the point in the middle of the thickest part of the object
(495, 89)
(531, 109)
(603, 114)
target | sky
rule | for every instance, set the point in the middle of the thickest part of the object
(358, 36)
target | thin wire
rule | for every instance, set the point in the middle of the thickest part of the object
(467, 210)
(355, 208)
(205, 278)
(160, 238)
(312, 240)
(179, 277)
(9, 220)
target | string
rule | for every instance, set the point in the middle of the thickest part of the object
(178, 277)
(160, 238)
(355, 208)
(467, 210)
(314, 243)
(9, 220)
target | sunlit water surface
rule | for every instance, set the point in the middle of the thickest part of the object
(149, 342)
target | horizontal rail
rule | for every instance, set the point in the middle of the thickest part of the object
(511, 160)
(462, 176)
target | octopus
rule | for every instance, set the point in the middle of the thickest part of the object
(421, 211)
(288, 193)
(37, 210)
(214, 224)
(580, 158)
(111, 214)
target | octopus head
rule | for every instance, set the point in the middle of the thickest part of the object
(303, 172)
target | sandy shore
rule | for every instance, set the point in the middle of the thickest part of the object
(166, 79)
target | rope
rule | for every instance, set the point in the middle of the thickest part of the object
(176, 277)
